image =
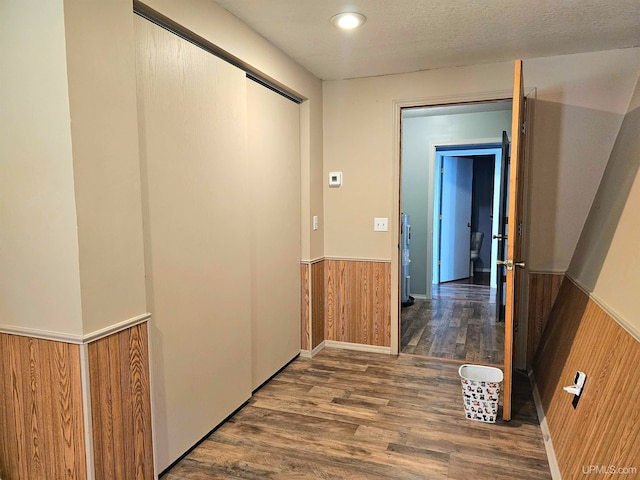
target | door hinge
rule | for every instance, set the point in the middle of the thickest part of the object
(524, 128)
(520, 229)
(442, 170)
(516, 324)
(440, 217)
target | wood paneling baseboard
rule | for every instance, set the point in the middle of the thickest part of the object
(304, 307)
(604, 428)
(120, 404)
(357, 302)
(41, 415)
(543, 290)
(317, 303)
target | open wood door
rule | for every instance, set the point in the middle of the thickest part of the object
(514, 263)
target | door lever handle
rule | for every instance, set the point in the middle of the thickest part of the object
(499, 237)
(510, 264)
(506, 263)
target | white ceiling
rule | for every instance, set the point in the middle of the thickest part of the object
(410, 35)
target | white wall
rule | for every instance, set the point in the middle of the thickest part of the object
(39, 269)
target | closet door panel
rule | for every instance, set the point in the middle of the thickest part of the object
(192, 126)
(274, 157)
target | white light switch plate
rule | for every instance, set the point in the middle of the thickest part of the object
(380, 224)
(335, 179)
(315, 222)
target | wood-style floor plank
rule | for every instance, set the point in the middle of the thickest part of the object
(457, 323)
(356, 415)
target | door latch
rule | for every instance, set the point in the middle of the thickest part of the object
(510, 264)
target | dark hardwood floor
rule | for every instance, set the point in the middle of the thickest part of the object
(459, 322)
(354, 415)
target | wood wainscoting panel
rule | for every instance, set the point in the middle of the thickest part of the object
(357, 302)
(543, 290)
(41, 415)
(604, 427)
(120, 405)
(317, 303)
(304, 307)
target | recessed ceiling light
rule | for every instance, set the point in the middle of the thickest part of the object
(348, 21)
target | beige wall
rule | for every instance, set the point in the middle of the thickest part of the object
(580, 103)
(570, 147)
(359, 140)
(74, 245)
(39, 272)
(104, 131)
(227, 32)
(606, 263)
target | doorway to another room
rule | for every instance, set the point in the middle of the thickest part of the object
(451, 178)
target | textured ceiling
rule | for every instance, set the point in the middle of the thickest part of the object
(410, 35)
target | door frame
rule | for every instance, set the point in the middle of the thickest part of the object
(484, 147)
(395, 240)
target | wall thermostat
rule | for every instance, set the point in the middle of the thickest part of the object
(335, 179)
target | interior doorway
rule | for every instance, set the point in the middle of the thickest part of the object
(466, 198)
(451, 162)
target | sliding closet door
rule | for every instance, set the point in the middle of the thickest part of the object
(274, 153)
(192, 121)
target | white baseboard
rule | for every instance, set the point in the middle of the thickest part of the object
(312, 353)
(546, 435)
(357, 346)
(419, 296)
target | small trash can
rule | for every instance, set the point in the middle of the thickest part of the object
(480, 391)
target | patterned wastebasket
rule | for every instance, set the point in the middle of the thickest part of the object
(480, 391)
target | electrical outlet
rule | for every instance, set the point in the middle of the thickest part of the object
(380, 224)
(577, 387)
(315, 222)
